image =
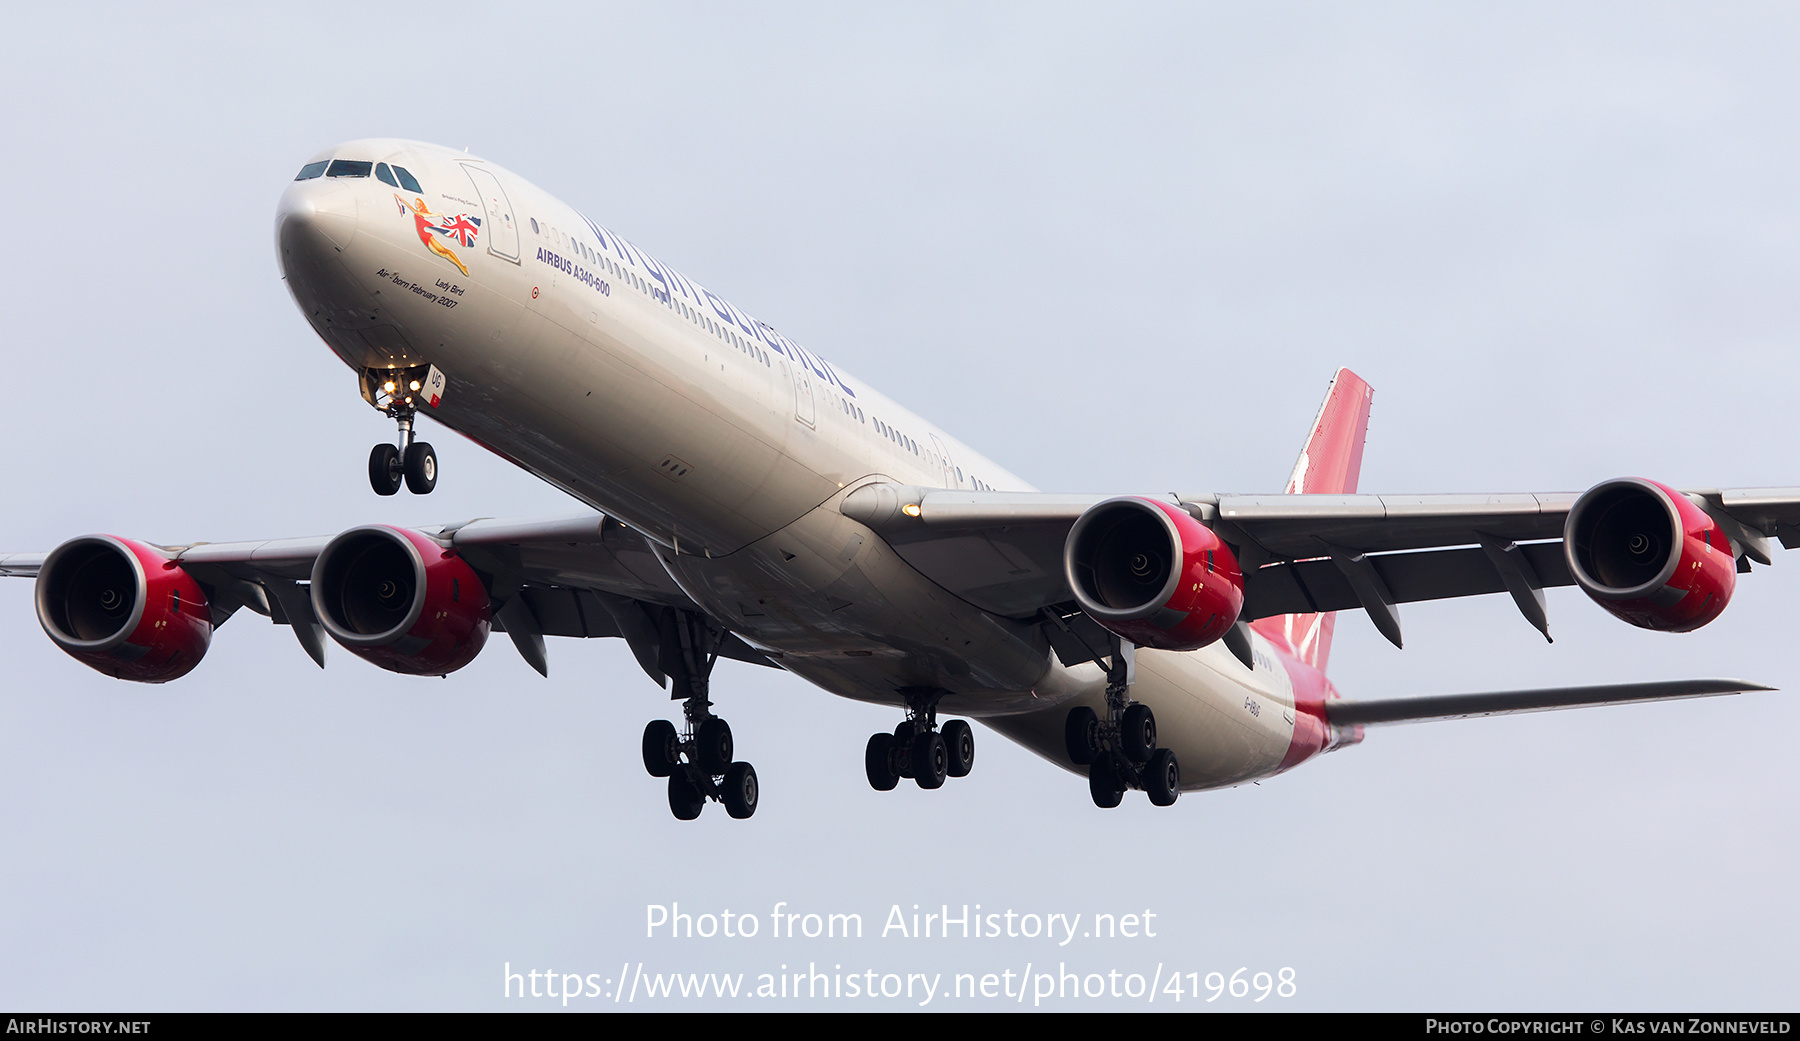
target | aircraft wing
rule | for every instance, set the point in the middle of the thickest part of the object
(583, 576)
(20, 565)
(1497, 703)
(1002, 551)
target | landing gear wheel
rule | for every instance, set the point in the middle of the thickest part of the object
(421, 468)
(959, 740)
(1137, 731)
(685, 801)
(878, 762)
(930, 760)
(903, 743)
(1162, 778)
(661, 745)
(713, 738)
(1081, 735)
(740, 790)
(384, 469)
(1104, 783)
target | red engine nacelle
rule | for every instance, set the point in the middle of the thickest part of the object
(1650, 556)
(124, 608)
(1154, 575)
(398, 599)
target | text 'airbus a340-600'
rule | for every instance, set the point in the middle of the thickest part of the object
(743, 497)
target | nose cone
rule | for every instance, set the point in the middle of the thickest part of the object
(315, 223)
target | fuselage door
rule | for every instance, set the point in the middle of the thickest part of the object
(944, 461)
(502, 225)
(803, 392)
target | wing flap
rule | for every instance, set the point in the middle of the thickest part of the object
(1310, 586)
(1295, 526)
(1771, 512)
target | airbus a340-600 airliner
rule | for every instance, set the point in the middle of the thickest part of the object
(747, 498)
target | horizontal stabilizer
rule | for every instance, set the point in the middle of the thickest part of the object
(1502, 702)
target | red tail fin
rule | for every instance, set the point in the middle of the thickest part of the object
(1329, 463)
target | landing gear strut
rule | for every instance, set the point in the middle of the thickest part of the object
(1120, 750)
(696, 759)
(918, 748)
(395, 393)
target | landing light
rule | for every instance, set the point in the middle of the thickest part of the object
(415, 385)
(389, 386)
(911, 509)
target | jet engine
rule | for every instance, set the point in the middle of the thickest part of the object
(1646, 553)
(400, 600)
(1152, 574)
(124, 608)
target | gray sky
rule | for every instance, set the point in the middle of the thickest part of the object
(1118, 249)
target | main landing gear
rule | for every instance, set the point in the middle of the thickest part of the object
(696, 759)
(412, 462)
(918, 748)
(1120, 751)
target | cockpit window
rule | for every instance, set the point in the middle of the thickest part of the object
(408, 181)
(349, 168)
(312, 170)
(381, 171)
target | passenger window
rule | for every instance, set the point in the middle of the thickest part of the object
(408, 181)
(534, 227)
(312, 170)
(349, 168)
(382, 173)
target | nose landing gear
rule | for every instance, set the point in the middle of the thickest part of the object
(396, 392)
(414, 462)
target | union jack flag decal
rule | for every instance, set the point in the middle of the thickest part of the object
(462, 227)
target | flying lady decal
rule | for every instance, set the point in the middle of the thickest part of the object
(434, 227)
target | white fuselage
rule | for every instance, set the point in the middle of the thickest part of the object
(601, 370)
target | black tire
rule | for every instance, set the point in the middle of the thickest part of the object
(1137, 732)
(384, 469)
(661, 746)
(421, 468)
(878, 762)
(930, 760)
(740, 790)
(685, 801)
(713, 738)
(1104, 784)
(1162, 778)
(1081, 735)
(959, 741)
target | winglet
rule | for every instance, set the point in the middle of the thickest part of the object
(1329, 464)
(1331, 460)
